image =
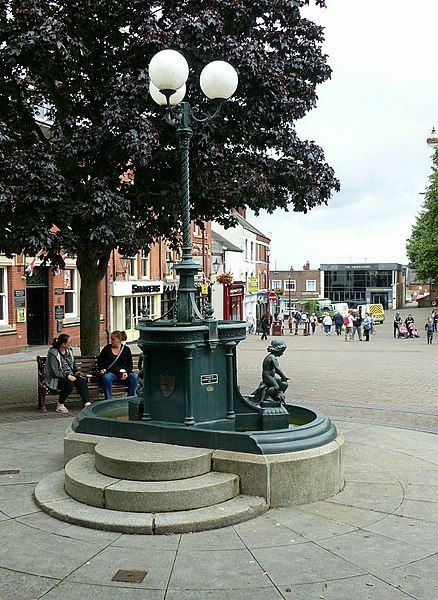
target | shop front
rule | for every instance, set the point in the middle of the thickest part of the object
(129, 299)
(234, 295)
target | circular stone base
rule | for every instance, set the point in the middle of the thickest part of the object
(52, 498)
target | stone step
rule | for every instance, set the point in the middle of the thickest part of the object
(52, 498)
(150, 461)
(85, 484)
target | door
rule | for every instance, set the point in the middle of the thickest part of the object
(37, 308)
(380, 298)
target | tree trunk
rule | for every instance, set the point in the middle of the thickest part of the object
(92, 269)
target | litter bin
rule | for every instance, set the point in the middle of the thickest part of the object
(277, 328)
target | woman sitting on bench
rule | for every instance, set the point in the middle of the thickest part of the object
(115, 364)
(62, 373)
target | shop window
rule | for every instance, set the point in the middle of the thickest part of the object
(145, 265)
(3, 297)
(310, 285)
(70, 291)
(290, 285)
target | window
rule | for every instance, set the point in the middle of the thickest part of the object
(310, 285)
(3, 297)
(131, 266)
(145, 272)
(246, 249)
(276, 284)
(70, 290)
(290, 285)
(252, 251)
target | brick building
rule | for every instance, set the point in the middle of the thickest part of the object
(36, 303)
(294, 286)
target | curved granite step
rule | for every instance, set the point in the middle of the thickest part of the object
(85, 484)
(150, 461)
(53, 499)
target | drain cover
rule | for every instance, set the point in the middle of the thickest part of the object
(129, 576)
(10, 472)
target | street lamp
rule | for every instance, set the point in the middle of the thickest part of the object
(290, 301)
(432, 140)
(168, 72)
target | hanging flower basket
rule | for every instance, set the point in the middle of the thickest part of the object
(225, 278)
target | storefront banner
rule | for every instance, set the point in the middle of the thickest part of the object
(134, 288)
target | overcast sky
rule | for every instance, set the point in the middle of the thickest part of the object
(372, 120)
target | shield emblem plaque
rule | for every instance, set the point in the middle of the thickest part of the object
(167, 385)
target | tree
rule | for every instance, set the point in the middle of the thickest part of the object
(61, 188)
(422, 246)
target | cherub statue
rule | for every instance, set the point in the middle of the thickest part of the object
(274, 382)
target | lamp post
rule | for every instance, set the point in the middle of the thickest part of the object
(168, 72)
(432, 140)
(290, 302)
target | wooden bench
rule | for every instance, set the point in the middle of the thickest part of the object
(87, 365)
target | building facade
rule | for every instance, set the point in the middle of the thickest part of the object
(375, 283)
(249, 268)
(37, 303)
(294, 286)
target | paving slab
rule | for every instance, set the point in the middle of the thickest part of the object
(412, 531)
(34, 552)
(312, 527)
(100, 569)
(418, 578)
(72, 591)
(350, 515)
(303, 563)
(363, 587)
(265, 532)
(425, 511)
(229, 594)
(22, 586)
(371, 551)
(215, 539)
(221, 569)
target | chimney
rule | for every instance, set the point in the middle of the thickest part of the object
(241, 211)
(306, 267)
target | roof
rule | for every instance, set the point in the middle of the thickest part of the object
(247, 225)
(216, 238)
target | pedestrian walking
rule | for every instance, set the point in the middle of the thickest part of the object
(435, 319)
(410, 324)
(357, 326)
(265, 323)
(327, 323)
(429, 327)
(348, 324)
(313, 322)
(397, 321)
(339, 321)
(250, 323)
(367, 326)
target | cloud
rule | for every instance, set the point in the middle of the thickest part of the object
(372, 120)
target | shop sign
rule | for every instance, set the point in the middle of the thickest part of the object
(236, 291)
(130, 288)
(145, 289)
(58, 291)
(204, 289)
(253, 285)
(59, 312)
(19, 298)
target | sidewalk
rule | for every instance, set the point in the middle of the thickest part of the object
(377, 539)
